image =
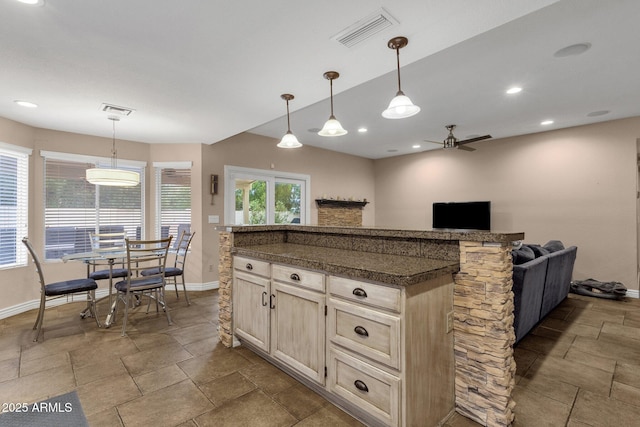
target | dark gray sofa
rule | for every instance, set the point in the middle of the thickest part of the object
(541, 280)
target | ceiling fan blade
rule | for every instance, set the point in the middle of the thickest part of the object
(476, 139)
(440, 143)
(465, 148)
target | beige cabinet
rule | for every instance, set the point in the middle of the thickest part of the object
(251, 290)
(298, 329)
(386, 352)
(282, 314)
(390, 353)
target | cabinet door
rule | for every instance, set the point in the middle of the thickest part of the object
(298, 330)
(251, 309)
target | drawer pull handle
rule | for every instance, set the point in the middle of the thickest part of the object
(294, 276)
(264, 303)
(249, 266)
(361, 331)
(272, 298)
(359, 292)
(361, 386)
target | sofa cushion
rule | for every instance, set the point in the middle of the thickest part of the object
(528, 287)
(554, 246)
(558, 279)
(538, 250)
(522, 255)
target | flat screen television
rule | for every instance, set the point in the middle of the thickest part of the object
(462, 215)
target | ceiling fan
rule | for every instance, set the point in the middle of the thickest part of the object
(453, 142)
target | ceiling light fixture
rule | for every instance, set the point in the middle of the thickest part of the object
(32, 2)
(513, 90)
(332, 127)
(113, 177)
(401, 106)
(546, 122)
(289, 140)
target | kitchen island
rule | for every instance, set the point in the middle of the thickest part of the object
(364, 316)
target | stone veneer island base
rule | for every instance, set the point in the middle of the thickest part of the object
(410, 262)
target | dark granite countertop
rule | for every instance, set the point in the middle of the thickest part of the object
(441, 234)
(389, 269)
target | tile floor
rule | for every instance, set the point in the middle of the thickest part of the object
(580, 367)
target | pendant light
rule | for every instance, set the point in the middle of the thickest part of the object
(289, 140)
(400, 106)
(332, 127)
(113, 176)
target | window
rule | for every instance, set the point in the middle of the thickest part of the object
(74, 208)
(254, 196)
(173, 198)
(14, 190)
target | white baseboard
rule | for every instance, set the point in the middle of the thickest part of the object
(34, 304)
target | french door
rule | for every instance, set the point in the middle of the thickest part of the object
(255, 196)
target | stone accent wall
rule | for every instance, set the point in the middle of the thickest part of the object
(340, 216)
(225, 272)
(483, 334)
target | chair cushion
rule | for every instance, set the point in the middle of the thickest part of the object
(151, 282)
(168, 272)
(70, 287)
(104, 274)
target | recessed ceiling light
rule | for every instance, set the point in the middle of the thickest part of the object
(313, 130)
(32, 2)
(546, 122)
(393, 150)
(573, 50)
(26, 104)
(415, 146)
(598, 113)
(362, 130)
(514, 89)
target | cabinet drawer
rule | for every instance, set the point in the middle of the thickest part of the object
(299, 277)
(373, 334)
(369, 388)
(249, 265)
(365, 293)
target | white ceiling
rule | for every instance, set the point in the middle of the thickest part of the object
(201, 71)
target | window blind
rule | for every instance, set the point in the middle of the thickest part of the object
(14, 190)
(74, 208)
(173, 200)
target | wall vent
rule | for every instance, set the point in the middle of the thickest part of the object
(365, 28)
(114, 109)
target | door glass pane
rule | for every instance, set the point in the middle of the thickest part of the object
(251, 202)
(287, 203)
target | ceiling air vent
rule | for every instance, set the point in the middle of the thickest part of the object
(365, 28)
(114, 109)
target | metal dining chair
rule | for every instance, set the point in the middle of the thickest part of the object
(182, 249)
(144, 255)
(55, 290)
(106, 243)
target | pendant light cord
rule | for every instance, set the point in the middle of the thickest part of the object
(398, 61)
(114, 153)
(331, 90)
(288, 120)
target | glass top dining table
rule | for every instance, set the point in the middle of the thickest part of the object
(108, 258)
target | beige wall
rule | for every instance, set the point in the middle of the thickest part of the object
(355, 178)
(331, 173)
(577, 185)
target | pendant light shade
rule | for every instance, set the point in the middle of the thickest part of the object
(332, 127)
(113, 176)
(289, 140)
(400, 106)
